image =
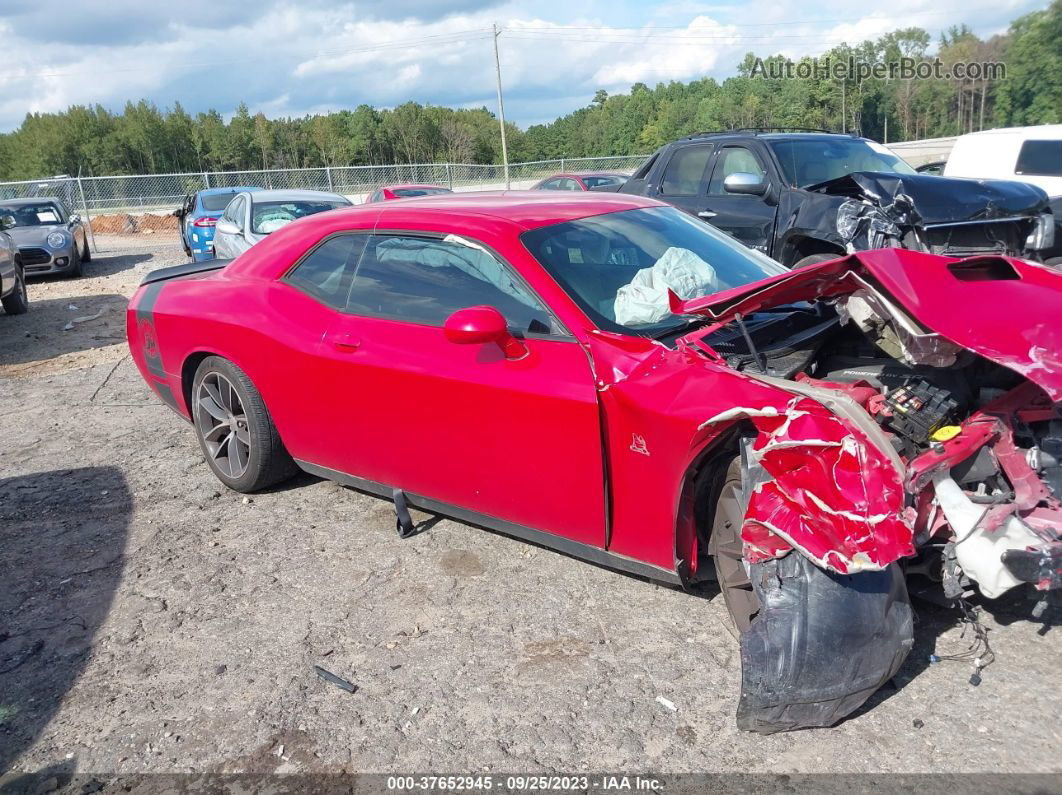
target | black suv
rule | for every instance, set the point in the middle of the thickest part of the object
(802, 197)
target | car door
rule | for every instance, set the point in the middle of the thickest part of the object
(513, 439)
(684, 178)
(241, 242)
(224, 247)
(747, 217)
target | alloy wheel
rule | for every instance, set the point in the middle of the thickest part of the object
(221, 420)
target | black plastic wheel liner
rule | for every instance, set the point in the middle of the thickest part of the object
(821, 644)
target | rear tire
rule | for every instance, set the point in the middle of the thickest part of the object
(815, 259)
(238, 438)
(17, 302)
(725, 547)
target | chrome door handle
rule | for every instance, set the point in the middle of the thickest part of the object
(706, 214)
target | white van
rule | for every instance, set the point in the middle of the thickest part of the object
(1028, 154)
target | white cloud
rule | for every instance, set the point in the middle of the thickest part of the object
(290, 57)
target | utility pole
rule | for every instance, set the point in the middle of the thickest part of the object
(844, 115)
(501, 107)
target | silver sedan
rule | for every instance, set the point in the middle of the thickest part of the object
(251, 215)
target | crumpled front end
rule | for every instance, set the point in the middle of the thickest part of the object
(821, 644)
(898, 435)
(821, 486)
(940, 215)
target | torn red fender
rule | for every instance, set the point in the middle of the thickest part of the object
(831, 493)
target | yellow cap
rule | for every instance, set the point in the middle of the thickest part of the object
(945, 433)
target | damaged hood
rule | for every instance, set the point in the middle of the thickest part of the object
(941, 200)
(1004, 309)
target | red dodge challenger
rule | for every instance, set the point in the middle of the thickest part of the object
(607, 376)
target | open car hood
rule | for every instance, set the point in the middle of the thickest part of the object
(1001, 308)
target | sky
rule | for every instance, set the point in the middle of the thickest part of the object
(294, 57)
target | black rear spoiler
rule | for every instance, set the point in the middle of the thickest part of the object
(187, 269)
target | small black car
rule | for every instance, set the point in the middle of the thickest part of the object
(803, 197)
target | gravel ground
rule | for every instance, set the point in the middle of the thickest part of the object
(153, 621)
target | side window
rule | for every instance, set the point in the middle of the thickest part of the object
(684, 175)
(326, 272)
(732, 160)
(425, 280)
(1040, 158)
(569, 184)
(550, 184)
(236, 211)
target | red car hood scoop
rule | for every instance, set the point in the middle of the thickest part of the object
(1004, 309)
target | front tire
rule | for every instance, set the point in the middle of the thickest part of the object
(238, 438)
(815, 259)
(74, 270)
(725, 547)
(86, 254)
(17, 302)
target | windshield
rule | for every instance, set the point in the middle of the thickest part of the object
(43, 214)
(267, 217)
(408, 193)
(814, 160)
(618, 267)
(213, 202)
(597, 182)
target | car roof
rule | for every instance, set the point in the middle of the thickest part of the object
(585, 174)
(295, 195)
(1035, 132)
(529, 209)
(30, 200)
(412, 185)
(217, 191)
(811, 135)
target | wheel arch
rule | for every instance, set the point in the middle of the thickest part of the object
(698, 492)
(798, 246)
(188, 367)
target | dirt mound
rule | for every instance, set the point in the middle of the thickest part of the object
(122, 224)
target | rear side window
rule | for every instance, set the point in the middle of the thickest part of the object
(1040, 159)
(425, 280)
(327, 271)
(215, 202)
(684, 175)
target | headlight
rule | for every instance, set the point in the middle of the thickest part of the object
(56, 240)
(1043, 234)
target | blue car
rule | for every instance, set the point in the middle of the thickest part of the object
(197, 216)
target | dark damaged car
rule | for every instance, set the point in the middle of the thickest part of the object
(614, 379)
(807, 197)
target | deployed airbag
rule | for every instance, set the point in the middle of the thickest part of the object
(821, 643)
(645, 299)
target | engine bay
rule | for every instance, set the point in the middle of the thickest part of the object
(981, 445)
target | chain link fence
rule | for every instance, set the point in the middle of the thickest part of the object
(160, 194)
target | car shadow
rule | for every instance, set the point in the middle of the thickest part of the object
(52, 328)
(102, 264)
(63, 535)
